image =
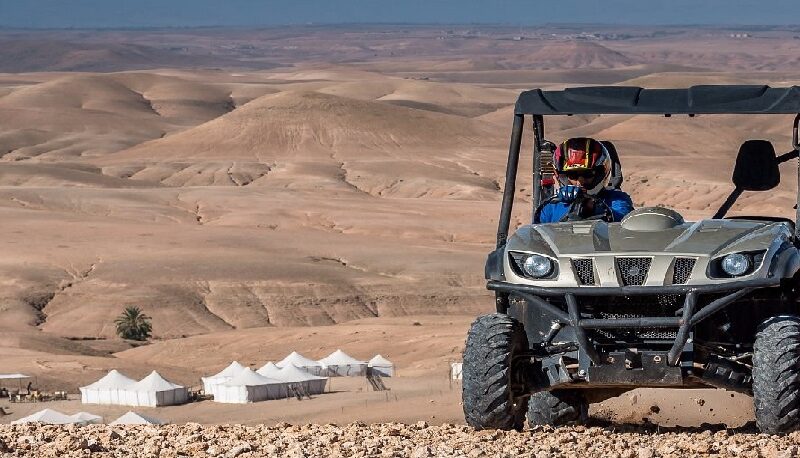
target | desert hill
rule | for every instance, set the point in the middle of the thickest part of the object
(79, 115)
(43, 54)
(571, 55)
(365, 146)
(306, 123)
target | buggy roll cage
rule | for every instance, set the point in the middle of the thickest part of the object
(707, 99)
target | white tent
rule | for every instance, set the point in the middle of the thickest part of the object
(270, 370)
(250, 386)
(133, 418)
(381, 366)
(154, 390)
(311, 384)
(108, 390)
(341, 364)
(210, 383)
(13, 376)
(49, 416)
(455, 370)
(87, 417)
(308, 365)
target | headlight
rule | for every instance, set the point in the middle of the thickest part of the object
(736, 264)
(537, 266)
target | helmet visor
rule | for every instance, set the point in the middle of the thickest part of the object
(580, 173)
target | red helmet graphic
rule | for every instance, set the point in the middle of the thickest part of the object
(583, 156)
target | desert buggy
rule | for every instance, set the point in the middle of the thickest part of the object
(586, 309)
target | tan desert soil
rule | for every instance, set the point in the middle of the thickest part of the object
(385, 440)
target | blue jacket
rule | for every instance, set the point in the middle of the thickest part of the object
(617, 202)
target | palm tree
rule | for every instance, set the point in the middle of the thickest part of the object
(133, 324)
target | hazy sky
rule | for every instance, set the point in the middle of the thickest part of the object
(155, 13)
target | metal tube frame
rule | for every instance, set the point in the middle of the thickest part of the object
(538, 139)
(684, 323)
(572, 317)
(580, 333)
(511, 179)
(506, 287)
(796, 146)
(683, 332)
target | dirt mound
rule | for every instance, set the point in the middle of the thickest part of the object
(76, 116)
(310, 124)
(574, 54)
(325, 141)
(61, 175)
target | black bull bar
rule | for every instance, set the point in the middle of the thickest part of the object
(684, 323)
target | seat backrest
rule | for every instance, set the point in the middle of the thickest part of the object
(615, 180)
(756, 166)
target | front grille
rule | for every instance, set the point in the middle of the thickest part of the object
(615, 307)
(639, 306)
(682, 270)
(630, 335)
(584, 269)
(633, 271)
(659, 334)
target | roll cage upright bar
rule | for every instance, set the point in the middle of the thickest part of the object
(721, 99)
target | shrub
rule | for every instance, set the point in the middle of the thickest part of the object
(133, 324)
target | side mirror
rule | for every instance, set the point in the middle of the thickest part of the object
(756, 166)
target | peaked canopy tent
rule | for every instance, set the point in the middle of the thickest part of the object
(306, 364)
(270, 370)
(340, 364)
(154, 390)
(111, 389)
(133, 418)
(381, 366)
(250, 386)
(210, 383)
(51, 417)
(13, 376)
(311, 384)
(87, 417)
(18, 377)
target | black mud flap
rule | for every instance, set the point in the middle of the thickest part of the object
(494, 265)
(642, 369)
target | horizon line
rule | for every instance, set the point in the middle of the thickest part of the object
(404, 24)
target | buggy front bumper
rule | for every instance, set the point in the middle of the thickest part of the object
(665, 372)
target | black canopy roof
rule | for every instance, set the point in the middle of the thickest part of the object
(635, 100)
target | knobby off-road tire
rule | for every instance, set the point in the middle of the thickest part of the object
(556, 408)
(492, 342)
(776, 375)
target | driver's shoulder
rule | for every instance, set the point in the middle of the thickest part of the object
(616, 194)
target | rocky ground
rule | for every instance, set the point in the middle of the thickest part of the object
(385, 440)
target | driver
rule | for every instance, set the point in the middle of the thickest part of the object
(582, 166)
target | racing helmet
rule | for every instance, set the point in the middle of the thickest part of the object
(583, 156)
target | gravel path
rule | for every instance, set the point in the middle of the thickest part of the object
(383, 440)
